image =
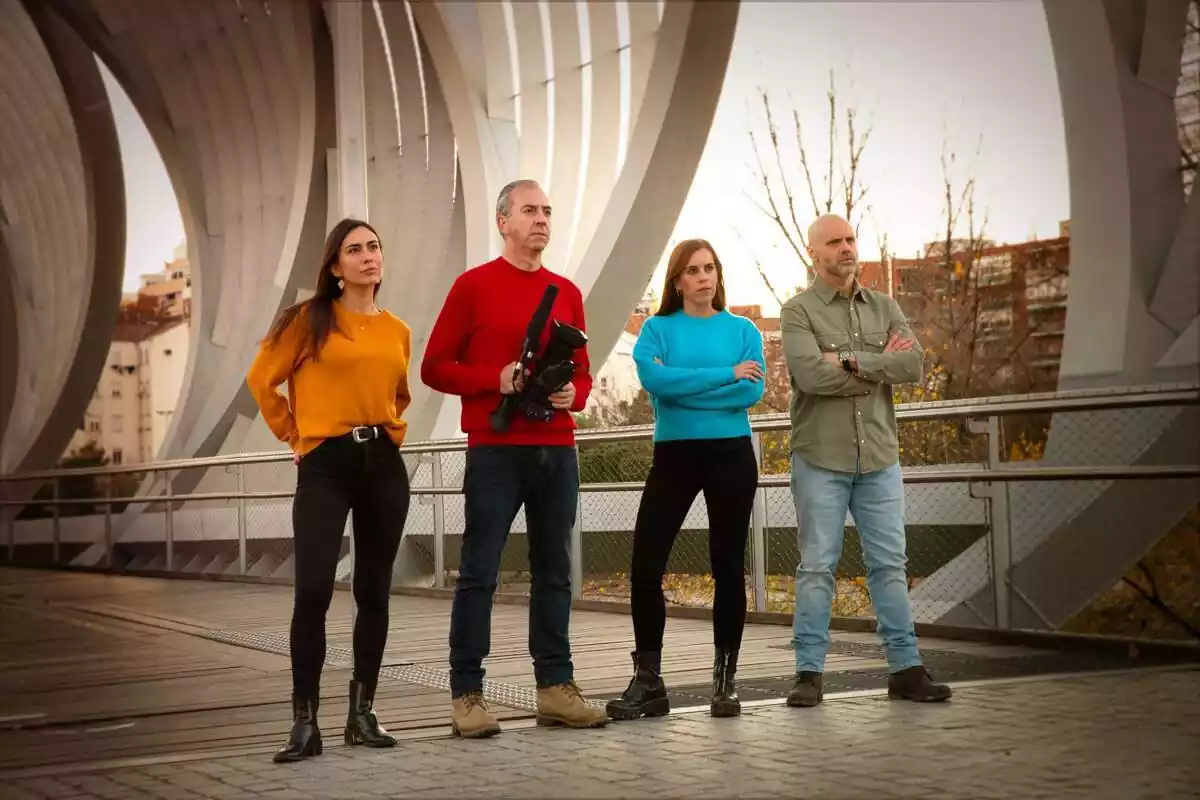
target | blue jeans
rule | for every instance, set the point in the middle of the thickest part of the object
(498, 480)
(876, 502)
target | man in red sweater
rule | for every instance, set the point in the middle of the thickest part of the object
(470, 353)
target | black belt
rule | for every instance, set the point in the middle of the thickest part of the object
(365, 433)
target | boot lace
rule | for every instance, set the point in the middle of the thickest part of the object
(473, 700)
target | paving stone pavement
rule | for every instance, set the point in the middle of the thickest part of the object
(1127, 735)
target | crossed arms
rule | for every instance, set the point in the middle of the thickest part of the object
(709, 388)
(819, 373)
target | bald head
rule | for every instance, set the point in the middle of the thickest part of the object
(833, 249)
(828, 225)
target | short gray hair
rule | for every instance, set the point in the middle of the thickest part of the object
(504, 199)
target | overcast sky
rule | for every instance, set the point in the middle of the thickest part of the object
(976, 75)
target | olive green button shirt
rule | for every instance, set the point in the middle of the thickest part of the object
(843, 421)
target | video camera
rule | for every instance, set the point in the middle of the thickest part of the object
(544, 373)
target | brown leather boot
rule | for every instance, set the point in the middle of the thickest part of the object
(470, 717)
(564, 705)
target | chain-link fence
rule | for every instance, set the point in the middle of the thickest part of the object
(1018, 511)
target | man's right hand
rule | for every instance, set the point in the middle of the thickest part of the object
(511, 379)
(898, 344)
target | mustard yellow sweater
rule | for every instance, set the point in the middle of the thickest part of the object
(361, 378)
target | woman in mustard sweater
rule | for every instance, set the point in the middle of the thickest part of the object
(345, 362)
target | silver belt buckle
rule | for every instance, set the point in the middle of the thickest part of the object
(360, 434)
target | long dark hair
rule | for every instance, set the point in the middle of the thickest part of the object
(318, 310)
(672, 300)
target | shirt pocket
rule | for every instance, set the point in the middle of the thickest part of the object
(874, 342)
(833, 342)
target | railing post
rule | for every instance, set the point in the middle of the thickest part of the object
(241, 517)
(577, 550)
(758, 538)
(108, 526)
(170, 520)
(57, 540)
(439, 522)
(999, 527)
(577, 543)
(10, 522)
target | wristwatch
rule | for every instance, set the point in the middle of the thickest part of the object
(846, 357)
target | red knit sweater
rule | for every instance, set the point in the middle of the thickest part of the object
(480, 329)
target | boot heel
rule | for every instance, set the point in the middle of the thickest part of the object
(350, 738)
(317, 748)
(544, 721)
(658, 707)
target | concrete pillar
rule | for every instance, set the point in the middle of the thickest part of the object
(346, 24)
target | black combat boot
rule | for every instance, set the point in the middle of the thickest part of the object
(725, 702)
(807, 691)
(646, 694)
(362, 726)
(305, 739)
(915, 684)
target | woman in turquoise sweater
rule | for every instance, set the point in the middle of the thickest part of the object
(703, 368)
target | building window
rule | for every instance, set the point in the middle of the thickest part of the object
(995, 322)
(117, 456)
(116, 392)
(993, 270)
(117, 423)
(93, 426)
(1042, 285)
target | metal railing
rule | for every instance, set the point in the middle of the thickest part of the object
(986, 481)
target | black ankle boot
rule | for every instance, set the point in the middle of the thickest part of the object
(305, 738)
(362, 726)
(725, 702)
(646, 694)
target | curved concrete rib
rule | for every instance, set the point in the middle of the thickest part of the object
(568, 154)
(604, 131)
(62, 213)
(1072, 541)
(666, 145)
(235, 120)
(417, 224)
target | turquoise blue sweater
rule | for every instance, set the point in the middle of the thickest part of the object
(686, 365)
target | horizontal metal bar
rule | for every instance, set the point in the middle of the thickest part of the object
(1031, 475)
(1179, 394)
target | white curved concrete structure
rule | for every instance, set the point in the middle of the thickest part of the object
(275, 118)
(1133, 319)
(62, 233)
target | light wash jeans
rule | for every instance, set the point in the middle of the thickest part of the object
(876, 502)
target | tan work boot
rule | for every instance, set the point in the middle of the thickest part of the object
(470, 718)
(564, 705)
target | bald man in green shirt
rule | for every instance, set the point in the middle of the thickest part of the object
(846, 346)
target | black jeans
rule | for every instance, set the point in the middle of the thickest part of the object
(498, 480)
(338, 477)
(727, 472)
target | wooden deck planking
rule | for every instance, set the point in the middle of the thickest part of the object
(94, 653)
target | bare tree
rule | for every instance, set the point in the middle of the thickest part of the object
(840, 189)
(1187, 102)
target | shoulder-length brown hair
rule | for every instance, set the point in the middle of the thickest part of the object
(318, 309)
(672, 300)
